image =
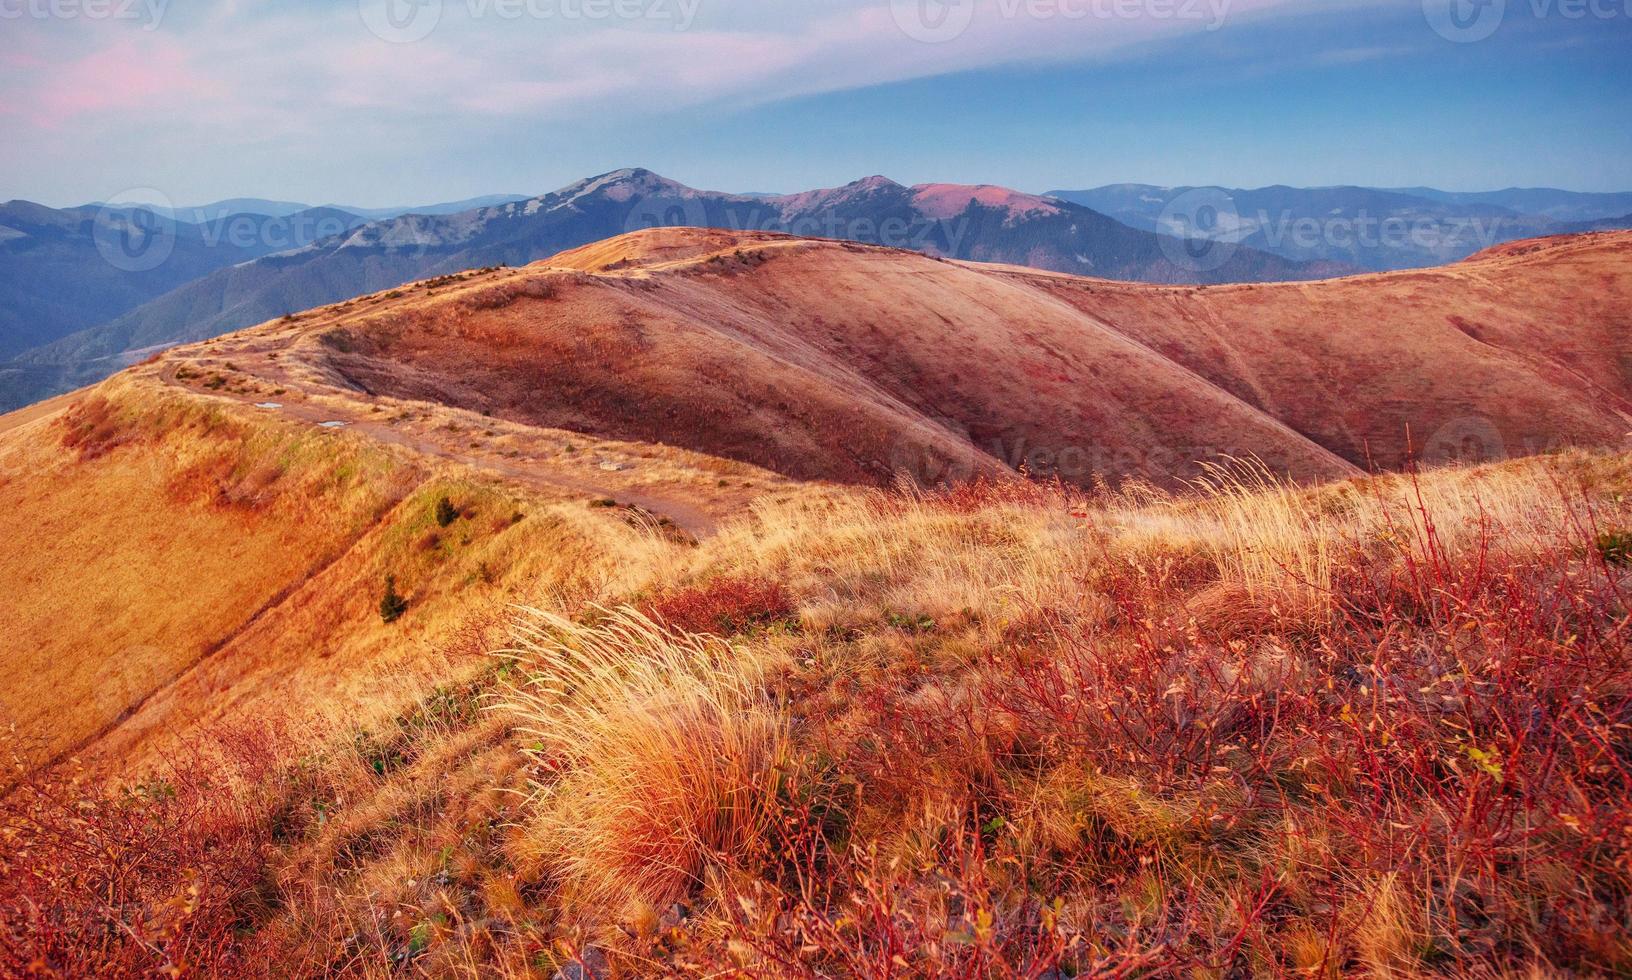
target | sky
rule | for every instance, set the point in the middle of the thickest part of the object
(380, 103)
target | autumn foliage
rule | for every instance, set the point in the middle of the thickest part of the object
(1378, 727)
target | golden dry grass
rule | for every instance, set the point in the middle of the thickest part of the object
(183, 566)
(1001, 727)
(656, 755)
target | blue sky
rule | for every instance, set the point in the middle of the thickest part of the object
(335, 101)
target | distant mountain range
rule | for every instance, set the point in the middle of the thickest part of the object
(81, 297)
(201, 213)
(982, 223)
(1559, 205)
(65, 270)
(1372, 229)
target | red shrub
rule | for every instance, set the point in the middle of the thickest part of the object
(161, 878)
(92, 428)
(981, 493)
(724, 605)
(1463, 724)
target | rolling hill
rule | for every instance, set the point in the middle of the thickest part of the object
(833, 361)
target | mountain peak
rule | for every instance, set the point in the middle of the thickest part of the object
(828, 197)
(951, 200)
(622, 185)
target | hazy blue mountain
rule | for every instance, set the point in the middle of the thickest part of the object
(240, 205)
(1367, 227)
(193, 213)
(1602, 224)
(1568, 206)
(450, 207)
(198, 213)
(63, 270)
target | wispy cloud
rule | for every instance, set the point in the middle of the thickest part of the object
(320, 89)
(246, 60)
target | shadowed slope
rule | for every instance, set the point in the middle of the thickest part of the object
(815, 359)
(1523, 348)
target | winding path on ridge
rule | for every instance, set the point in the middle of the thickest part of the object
(696, 518)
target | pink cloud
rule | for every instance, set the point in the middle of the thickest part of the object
(126, 75)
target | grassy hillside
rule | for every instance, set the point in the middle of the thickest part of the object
(456, 630)
(184, 561)
(1379, 725)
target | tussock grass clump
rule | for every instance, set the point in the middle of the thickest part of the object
(656, 754)
(1268, 536)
